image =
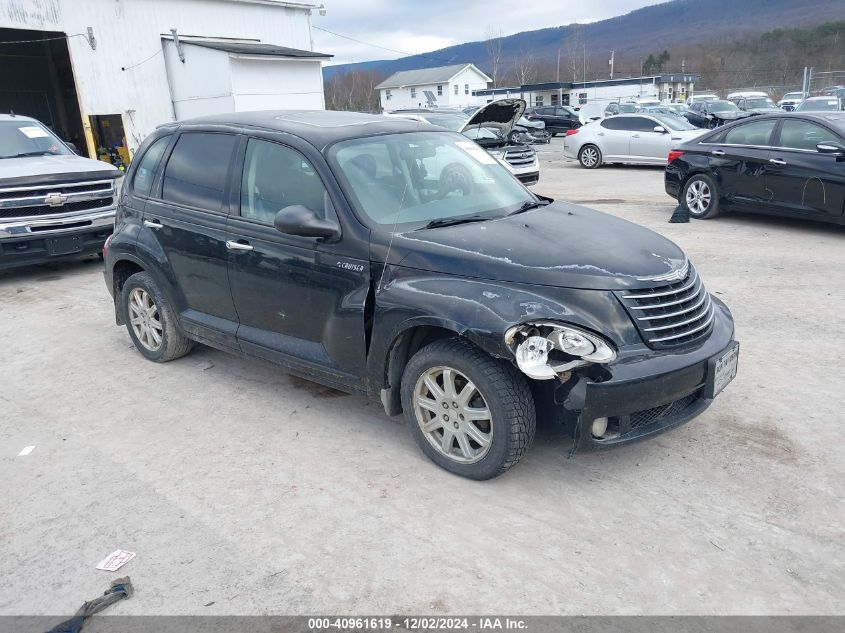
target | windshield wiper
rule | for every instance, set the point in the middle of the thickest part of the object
(527, 206)
(452, 221)
(25, 154)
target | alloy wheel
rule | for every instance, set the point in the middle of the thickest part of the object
(145, 319)
(589, 156)
(698, 197)
(453, 415)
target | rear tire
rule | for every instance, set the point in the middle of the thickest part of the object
(700, 197)
(151, 321)
(590, 157)
(470, 414)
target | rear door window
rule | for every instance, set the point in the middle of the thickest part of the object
(618, 123)
(197, 171)
(756, 133)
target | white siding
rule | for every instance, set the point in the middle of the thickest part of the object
(129, 31)
(200, 86)
(276, 84)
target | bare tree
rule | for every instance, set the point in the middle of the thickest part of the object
(574, 44)
(493, 43)
(525, 67)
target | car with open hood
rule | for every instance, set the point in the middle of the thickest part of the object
(403, 262)
(492, 127)
(53, 203)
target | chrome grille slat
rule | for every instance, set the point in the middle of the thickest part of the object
(40, 200)
(684, 313)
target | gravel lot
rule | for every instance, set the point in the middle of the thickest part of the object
(246, 491)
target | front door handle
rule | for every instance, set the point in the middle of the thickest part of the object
(239, 245)
(635, 136)
(717, 152)
(599, 133)
(777, 161)
(153, 224)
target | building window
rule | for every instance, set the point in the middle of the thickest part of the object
(439, 91)
(582, 98)
(387, 95)
(456, 88)
(413, 93)
(538, 100)
(565, 99)
(466, 89)
(555, 98)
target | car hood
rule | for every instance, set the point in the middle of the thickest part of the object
(499, 115)
(561, 245)
(40, 168)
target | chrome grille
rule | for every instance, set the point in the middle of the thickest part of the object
(520, 157)
(58, 199)
(671, 314)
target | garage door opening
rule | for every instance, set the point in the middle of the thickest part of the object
(36, 79)
(110, 139)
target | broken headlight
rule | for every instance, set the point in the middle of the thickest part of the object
(549, 350)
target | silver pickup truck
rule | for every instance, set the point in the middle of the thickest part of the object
(53, 203)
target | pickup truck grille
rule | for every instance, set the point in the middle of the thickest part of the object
(671, 314)
(520, 157)
(59, 199)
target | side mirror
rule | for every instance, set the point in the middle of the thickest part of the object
(72, 147)
(833, 149)
(302, 221)
(660, 129)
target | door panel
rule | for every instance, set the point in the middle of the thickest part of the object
(298, 301)
(739, 164)
(193, 239)
(799, 179)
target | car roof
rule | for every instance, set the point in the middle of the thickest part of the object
(15, 117)
(318, 127)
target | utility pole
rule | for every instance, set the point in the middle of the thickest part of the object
(612, 58)
(683, 66)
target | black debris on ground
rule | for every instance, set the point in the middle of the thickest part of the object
(680, 215)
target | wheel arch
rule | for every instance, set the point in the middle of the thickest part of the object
(123, 269)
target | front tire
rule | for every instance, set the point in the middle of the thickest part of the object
(700, 197)
(590, 157)
(470, 414)
(151, 320)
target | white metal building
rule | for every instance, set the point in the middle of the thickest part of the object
(100, 70)
(444, 86)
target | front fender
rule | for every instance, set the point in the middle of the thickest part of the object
(482, 311)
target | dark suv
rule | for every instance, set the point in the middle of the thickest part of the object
(558, 119)
(384, 257)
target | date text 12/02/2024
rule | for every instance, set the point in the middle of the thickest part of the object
(418, 623)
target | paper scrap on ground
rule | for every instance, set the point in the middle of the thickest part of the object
(116, 560)
(26, 451)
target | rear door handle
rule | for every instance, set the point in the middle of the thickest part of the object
(717, 152)
(635, 136)
(153, 224)
(239, 245)
(777, 161)
(599, 133)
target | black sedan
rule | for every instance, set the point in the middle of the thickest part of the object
(710, 114)
(558, 119)
(788, 164)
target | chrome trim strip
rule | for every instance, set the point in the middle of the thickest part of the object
(668, 304)
(674, 314)
(697, 317)
(20, 228)
(84, 183)
(703, 326)
(654, 295)
(678, 274)
(40, 201)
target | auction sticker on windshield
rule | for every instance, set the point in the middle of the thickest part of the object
(33, 131)
(476, 152)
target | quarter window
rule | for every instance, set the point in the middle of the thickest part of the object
(197, 170)
(275, 177)
(756, 133)
(797, 134)
(142, 182)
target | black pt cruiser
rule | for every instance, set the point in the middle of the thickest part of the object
(399, 260)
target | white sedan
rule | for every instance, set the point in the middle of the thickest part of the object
(628, 138)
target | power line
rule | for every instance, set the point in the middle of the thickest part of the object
(392, 50)
(142, 61)
(45, 39)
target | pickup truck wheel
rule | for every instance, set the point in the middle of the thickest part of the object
(151, 321)
(471, 414)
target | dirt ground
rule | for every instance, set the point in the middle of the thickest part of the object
(246, 491)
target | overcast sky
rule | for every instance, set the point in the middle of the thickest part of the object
(419, 26)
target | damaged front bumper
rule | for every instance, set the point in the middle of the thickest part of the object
(642, 393)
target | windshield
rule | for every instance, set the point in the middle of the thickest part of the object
(409, 180)
(628, 108)
(821, 104)
(722, 106)
(761, 102)
(675, 123)
(28, 138)
(793, 95)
